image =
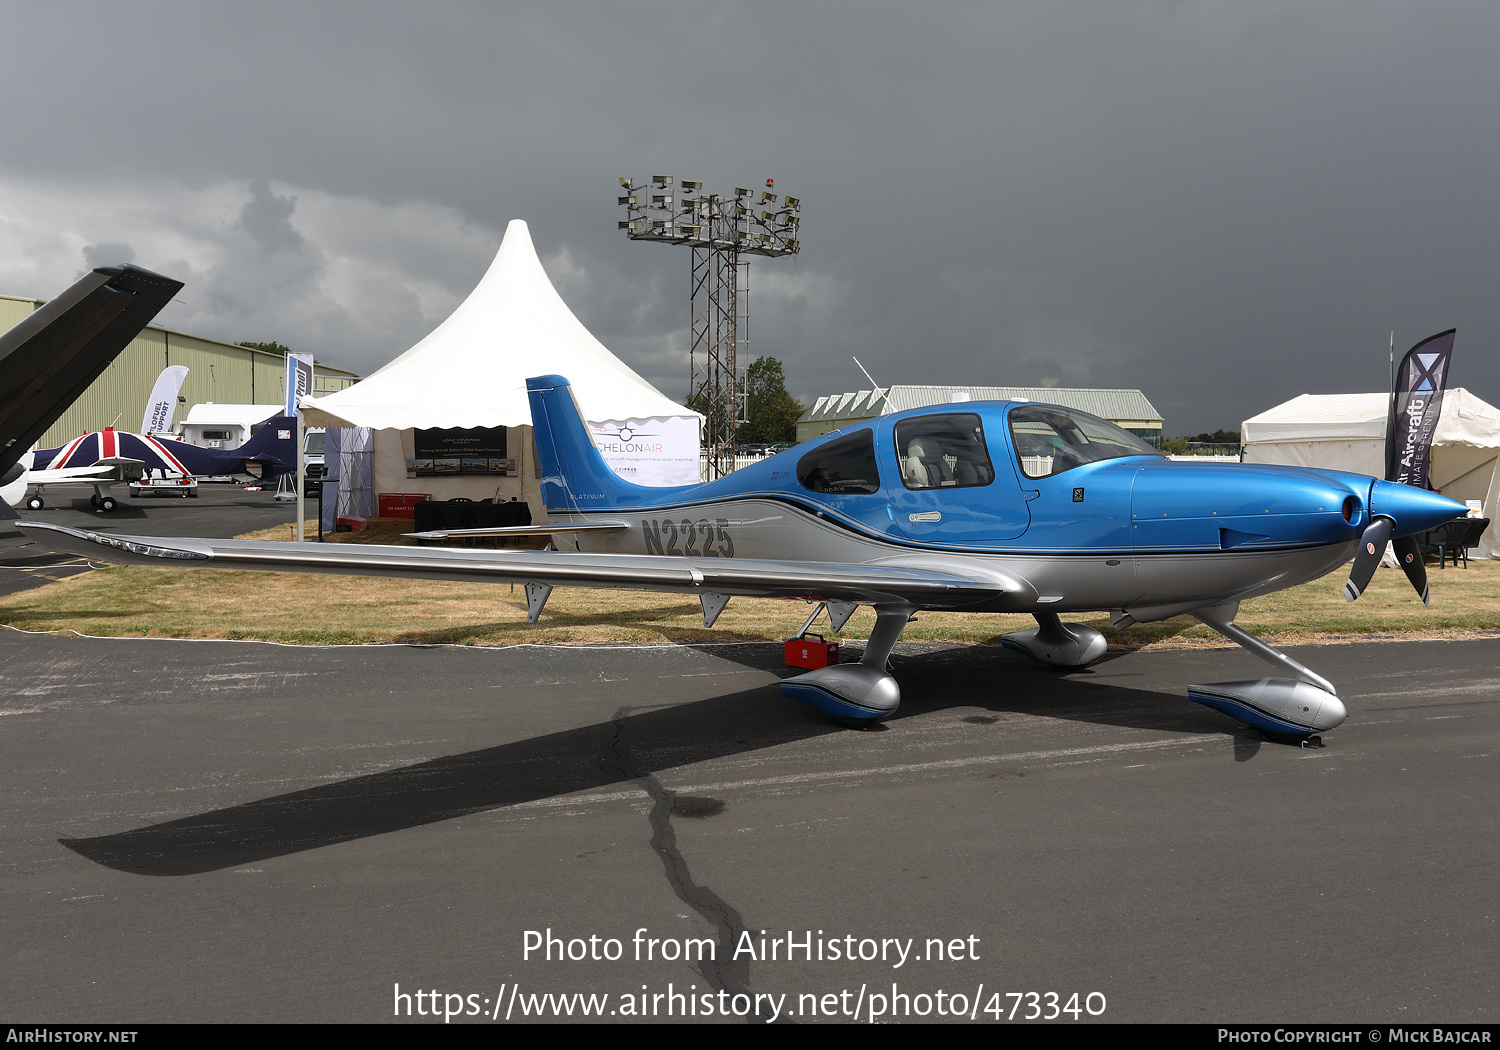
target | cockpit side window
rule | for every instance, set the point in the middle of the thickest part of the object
(1050, 440)
(844, 465)
(946, 451)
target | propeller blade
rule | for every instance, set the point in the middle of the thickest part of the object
(1409, 554)
(1371, 549)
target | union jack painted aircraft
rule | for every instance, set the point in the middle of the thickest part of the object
(125, 456)
(979, 507)
(50, 358)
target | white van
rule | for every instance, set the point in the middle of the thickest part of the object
(225, 426)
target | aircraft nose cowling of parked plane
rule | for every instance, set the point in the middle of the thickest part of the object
(1412, 509)
(1397, 513)
(1189, 506)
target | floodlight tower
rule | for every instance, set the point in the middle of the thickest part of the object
(719, 230)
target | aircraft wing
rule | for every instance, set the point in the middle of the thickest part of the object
(63, 475)
(924, 585)
(51, 356)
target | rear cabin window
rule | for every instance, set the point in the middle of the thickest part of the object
(844, 465)
(940, 452)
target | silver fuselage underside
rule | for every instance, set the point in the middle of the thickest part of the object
(1150, 585)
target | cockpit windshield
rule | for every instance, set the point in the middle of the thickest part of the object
(1050, 440)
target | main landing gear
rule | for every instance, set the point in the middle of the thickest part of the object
(103, 499)
(1058, 644)
(862, 692)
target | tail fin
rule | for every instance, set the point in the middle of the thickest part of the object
(574, 474)
(274, 444)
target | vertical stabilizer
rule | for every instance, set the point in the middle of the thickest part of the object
(274, 444)
(574, 474)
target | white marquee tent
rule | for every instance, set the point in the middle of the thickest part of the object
(471, 371)
(1347, 432)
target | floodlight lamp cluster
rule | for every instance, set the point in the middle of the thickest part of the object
(679, 212)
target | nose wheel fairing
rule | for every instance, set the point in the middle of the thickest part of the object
(1304, 704)
(1273, 705)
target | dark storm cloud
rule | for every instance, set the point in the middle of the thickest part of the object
(109, 254)
(1224, 204)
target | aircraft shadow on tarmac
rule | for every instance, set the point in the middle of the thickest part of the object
(630, 748)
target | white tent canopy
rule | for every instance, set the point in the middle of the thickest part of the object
(471, 370)
(1347, 432)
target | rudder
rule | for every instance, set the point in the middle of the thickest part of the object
(574, 474)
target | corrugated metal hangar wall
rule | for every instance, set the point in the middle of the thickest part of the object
(218, 372)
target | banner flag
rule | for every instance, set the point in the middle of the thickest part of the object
(1415, 408)
(299, 380)
(659, 450)
(158, 417)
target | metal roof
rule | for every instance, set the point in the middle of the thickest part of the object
(1107, 404)
(861, 404)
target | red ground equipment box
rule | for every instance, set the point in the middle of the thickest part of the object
(811, 651)
(400, 504)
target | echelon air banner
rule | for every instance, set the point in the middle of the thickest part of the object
(1414, 412)
(658, 450)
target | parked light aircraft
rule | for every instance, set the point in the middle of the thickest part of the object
(51, 356)
(980, 507)
(271, 452)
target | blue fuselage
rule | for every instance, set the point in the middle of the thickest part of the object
(1133, 529)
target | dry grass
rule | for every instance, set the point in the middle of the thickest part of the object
(315, 609)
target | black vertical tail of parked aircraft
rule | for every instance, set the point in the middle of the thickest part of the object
(49, 359)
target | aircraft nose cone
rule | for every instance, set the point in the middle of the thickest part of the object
(1413, 509)
(1330, 713)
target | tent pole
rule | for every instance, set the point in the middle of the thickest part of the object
(301, 493)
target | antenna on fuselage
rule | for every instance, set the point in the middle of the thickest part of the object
(867, 374)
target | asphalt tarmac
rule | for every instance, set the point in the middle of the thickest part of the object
(219, 510)
(216, 831)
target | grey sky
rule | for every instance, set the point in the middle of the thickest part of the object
(1225, 204)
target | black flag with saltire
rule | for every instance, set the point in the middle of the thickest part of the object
(1415, 409)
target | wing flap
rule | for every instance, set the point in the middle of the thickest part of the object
(867, 584)
(522, 530)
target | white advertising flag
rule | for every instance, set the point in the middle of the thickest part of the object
(158, 417)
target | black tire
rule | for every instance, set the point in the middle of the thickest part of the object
(135, 493)
(94, 501)
(35, 503)
(107, 504)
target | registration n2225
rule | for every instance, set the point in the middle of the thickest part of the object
(685, 537)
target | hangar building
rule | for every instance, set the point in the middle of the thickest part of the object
(219, 372)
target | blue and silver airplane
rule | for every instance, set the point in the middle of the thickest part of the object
(1013, 507)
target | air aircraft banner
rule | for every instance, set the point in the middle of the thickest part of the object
(659, 450)
(158, 417)
(1418, 403)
